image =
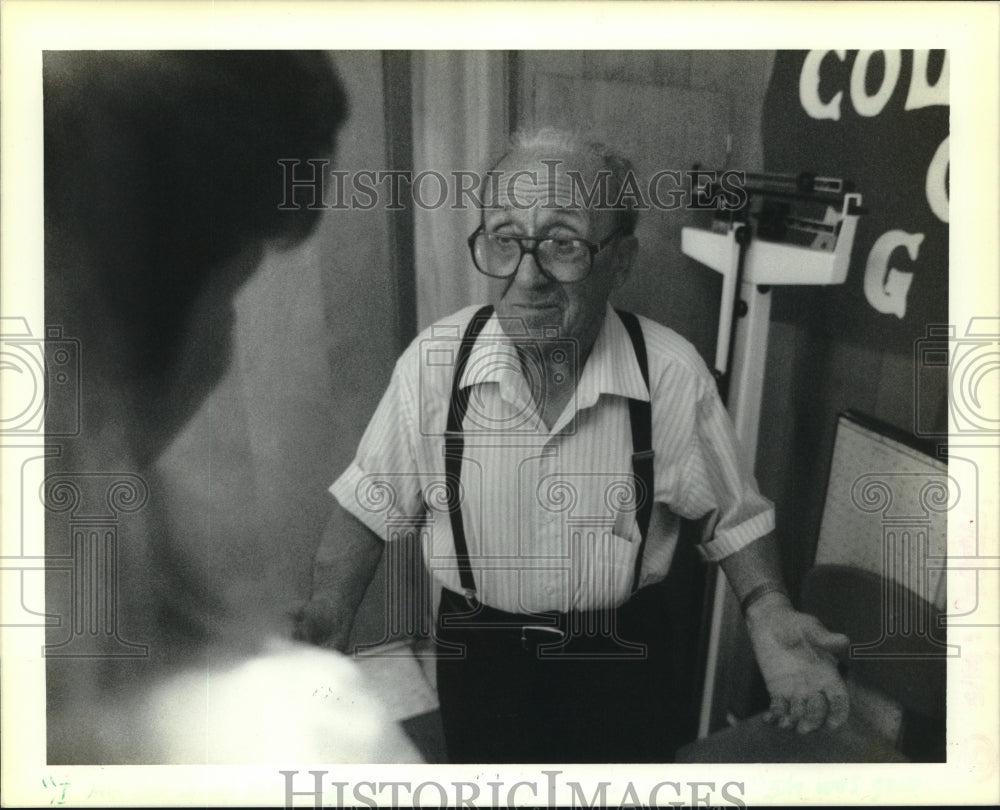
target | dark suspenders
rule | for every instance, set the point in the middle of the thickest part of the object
(640, 417)
(640, 412)
(454, 446)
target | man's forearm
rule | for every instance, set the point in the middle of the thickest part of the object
(348, 554)
(796, 654)
(754, 572)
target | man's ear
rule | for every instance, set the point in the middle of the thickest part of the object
(625, 252)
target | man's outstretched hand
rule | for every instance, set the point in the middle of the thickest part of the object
(797, 656)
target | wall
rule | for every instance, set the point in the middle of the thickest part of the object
(314, 343)
(459, 124)
(880, 120)
(666, 110)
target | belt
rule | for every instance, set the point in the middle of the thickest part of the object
(601, 632)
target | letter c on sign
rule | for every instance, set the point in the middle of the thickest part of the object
(886, 287)
(809, 87)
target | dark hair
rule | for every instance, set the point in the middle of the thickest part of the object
(163, 165)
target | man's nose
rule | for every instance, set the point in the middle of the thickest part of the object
(528, 273)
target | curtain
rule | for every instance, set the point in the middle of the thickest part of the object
(459, 125)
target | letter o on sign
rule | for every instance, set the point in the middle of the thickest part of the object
(872, 105)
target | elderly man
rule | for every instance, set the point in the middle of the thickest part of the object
(553, 445)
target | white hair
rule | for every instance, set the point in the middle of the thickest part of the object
(570, 141)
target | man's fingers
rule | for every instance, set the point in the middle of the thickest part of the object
(779, 708)
(814, 714)
(798, 658)
(796, 708)
(806, 714)
(839, 707)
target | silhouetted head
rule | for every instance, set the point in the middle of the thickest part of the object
(162, 188)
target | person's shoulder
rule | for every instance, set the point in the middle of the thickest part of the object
(668, 350)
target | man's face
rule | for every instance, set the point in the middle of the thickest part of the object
(544, 206)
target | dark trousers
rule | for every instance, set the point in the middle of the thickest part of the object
(513, 689)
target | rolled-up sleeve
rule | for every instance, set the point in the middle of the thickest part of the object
(383, 480)
(718, 483)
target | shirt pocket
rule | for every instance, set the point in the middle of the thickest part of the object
(602, 566)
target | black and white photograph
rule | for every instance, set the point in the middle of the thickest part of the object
(538, 417)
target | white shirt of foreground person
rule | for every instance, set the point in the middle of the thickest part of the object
(292, 703)
(550, 518)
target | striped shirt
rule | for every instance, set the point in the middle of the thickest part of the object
(550, 514)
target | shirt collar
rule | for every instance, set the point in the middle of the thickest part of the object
(610, 369)
(494, 359)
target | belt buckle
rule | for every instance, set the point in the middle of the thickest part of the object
(555, 634)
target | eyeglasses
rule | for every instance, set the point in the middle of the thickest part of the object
(562, 259)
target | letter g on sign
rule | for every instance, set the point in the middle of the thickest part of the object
(886, 287)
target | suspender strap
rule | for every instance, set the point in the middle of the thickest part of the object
(641, 417)
(454, 447)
